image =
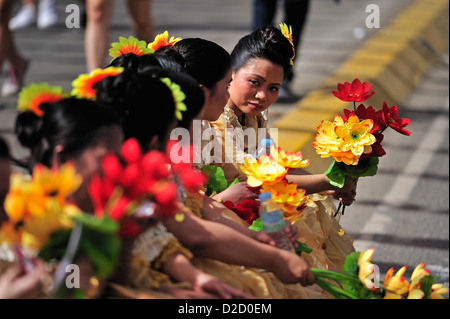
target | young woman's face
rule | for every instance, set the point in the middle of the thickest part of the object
(216, 99)
(255, 86)
(88, 162)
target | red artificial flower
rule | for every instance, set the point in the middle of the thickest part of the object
(166, 197)
(354, 92)
(377, 149)
(390, 116)
(154, 165)
(131, 151)
(364, 113)
(248, 209)
(191, 179)
(129, 229)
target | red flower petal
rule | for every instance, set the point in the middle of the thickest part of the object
(131, 151)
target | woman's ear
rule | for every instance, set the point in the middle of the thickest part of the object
(56, 156)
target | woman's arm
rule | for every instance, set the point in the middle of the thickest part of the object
(180, 268)
(217, 241)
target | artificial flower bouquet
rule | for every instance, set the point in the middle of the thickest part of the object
(267, 173)
(354, 139)
(360, 280)
(43, 221)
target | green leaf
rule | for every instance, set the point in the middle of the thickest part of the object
(335, 175)
(366, 167)
(236, 180)
(351, 263)
(216, 179)
(426, 284)
(55, 248)
(256, 225)
(302, 248)
(105, 225)
(338, 170)
(102, 249)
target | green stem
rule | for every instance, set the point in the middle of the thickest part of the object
(354, 106)
(338, 276)
(333, 290)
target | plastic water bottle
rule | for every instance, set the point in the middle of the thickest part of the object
(264, 147)
(273, 221)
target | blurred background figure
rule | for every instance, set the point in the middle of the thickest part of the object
(40, 12)
(97, 36)
(18, 63)
(295, 13)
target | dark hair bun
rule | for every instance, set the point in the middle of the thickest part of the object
(267, 43)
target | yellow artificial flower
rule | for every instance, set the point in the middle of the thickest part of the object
(356, 136)
(31, 97)
(289, 197)
(24, 197)
(264, 170)
(287, 32)
(437, 291)
(38, 228)
(395, 286)
(83, 85)
(58, 183)
(414, 288)
(289, 159)
(366, 269)
(162, 40)
(130, 45)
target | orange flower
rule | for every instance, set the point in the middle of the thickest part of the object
(264, 170)
(83, 85)
(162, 40)
(35, 94)
(130, 45)
(290, 198)
(395, 286)
(289, 159)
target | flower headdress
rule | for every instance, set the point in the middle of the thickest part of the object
(178, 96)
(83, 85)
(35, 94)
(130, 45)
(162, 40)
(287, 32)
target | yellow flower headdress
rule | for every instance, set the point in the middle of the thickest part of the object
(130, 45)
(35, 94)
(83, 85)
(162, 40)
(178, 96)
(287, 32)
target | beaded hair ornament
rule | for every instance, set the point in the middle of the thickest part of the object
(178, 96)
(287, 32)
(32, 96)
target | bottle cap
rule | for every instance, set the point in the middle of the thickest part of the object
(266, 142)
(265, 196)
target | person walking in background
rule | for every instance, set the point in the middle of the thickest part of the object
(99, 13)
(40, 12)
(18, 64)
(295, 15)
